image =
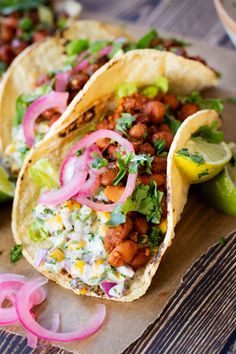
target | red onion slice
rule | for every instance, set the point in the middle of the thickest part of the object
(71, 188)
(107, 286)
(26, 319)
(81, 66)
(40, 256)
(130, 185)
(105, 51)
(62, 80)
(51, 100)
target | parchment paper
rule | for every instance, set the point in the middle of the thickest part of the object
(199, 228)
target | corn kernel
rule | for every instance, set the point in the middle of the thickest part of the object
(76, 245)
(72, 204)
(80, 265)
(56, 220)
(57, 254)
(163, 226)
(83, 291)
(10, 149)
(103, 216)
(99, 262)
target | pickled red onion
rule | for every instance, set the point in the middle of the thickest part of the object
(62, 79)
(105, 51)
(107, 286)
(130, 185)
(71, 188)
(27, 320)
(52, 100)
(81, 66)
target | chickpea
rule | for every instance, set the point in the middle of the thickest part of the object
(103, 143)
(111, 241)
(159, 164)
(108, 176)
(7, 34)
(114, 193)
(168, 137)
(171, 100)
(138, 131)
(121, 231)
(141, 224)
(77, 81)
(54, 118)
(142, 118)
(164, 127)
(39, 35)
(156, 110)
(6, 53)
(187, 110)
(136, 145)
(147, 149)
(111, 151)
(140, 259)
(123, 253)
(164, 207)
(160, 179)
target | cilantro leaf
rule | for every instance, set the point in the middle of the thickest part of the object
(204, 103)
(210, 133)
(95, 47)
(203, 173)
(145, 41)
(16, 253)
(146, 200)
(124, 123)
(231, 100)
(173, 123)
(141, 160)
(180, 42)
(116, 48)
(76, 46)
(98, 161)
(117, 217)
(155, 237)
(159, 146)
(197, 158)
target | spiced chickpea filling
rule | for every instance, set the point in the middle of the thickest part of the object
(105, 217)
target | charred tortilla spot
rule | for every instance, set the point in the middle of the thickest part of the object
(62, 135)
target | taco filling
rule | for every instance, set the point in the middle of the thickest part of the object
(36, 112)
(103, 216)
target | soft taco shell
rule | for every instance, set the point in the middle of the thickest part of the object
(142, 67)
(38, 60)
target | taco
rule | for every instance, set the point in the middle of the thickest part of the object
(44, 76)
(106, 193)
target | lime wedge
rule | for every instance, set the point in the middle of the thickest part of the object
(200, 161)
(220, 192)
(6, 186)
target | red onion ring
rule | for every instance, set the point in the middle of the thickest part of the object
(105, 51)
(70, 189)
(26, 319)
(62, 80)
(51, 100)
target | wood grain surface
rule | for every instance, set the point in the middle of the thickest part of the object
(169, 16)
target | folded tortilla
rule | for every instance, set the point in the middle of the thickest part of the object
(37, 60)
(142, 67)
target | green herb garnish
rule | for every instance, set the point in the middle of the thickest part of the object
(204, 103)
(98, 161)
(173, 123)
(16, 253)
(125, 123)
(76, 46)
(210, 133)
(222, 241)
(159, 146)
(203, 173)
(196, 158)
(155, 237)
(145, 41)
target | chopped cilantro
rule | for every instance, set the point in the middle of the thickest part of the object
(116, 48)
(16, 253)
(203, 173)
(204, 103)
(98, 161)
(130, 163)
(62, 23)
(3, 67)
(210, 133)
(146, 200)
(155, 237)
(91, 236)
(48, 211)
(145, 41)
(26, 23)
(222, 241)
(79, 152)
(159, 146)
(124, 123)
(173, 123)
(197, 158)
